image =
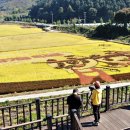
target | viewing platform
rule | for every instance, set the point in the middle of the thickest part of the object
(52, 113)
(118, 119)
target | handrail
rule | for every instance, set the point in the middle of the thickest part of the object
(78, 122)
(54, 98)
(19, 125)
(17, 105)
(75, 122)
(60, 116)
(56, 118)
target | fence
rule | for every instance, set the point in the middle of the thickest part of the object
(75, 123)
(27, 125)
(57, 107)
(62, 122)
(17, 114)
(118, 96)
(65, 123)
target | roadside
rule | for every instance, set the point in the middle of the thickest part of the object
(56, 93)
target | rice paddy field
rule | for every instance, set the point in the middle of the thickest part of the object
(29, 54)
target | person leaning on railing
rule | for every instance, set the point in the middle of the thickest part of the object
(74, 102)
(96, 98)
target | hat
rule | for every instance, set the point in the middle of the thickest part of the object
(96, 84)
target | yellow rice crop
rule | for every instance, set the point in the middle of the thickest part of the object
(28, 42)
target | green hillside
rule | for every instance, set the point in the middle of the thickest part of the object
(16, 7)
(63, 10)
(84, 9)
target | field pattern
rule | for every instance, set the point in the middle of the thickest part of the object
(29, 54)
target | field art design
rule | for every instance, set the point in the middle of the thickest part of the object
(33, 59)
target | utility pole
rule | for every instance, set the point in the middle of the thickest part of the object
(84, 17)
(52, 17)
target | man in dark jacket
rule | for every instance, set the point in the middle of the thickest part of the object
(74, 101)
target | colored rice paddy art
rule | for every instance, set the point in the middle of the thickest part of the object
(32, 59)
(105, 68)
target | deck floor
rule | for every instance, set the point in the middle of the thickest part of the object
(118, 119)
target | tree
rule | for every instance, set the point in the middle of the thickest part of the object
(61, 10)
(70, 9)
(58, 22)
(109, 21)
(93, 12)
(74, 21)
(94, 22)
(64, 21)
(77, 2)
(68, 22)
(1, 17)
(101, 20)
(123, 16)
(79, 21)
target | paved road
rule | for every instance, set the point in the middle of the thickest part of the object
(55, 93)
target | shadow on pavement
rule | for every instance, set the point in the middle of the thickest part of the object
(87, 124)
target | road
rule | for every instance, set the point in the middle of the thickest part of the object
(57, 93)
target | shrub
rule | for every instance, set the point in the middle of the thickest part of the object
(109, 31)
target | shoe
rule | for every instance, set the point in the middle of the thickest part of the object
(95, 123)
(99, 121)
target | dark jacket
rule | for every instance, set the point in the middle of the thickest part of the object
(74, 101)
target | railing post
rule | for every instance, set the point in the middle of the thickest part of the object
(73, 111)
(49, 122)
(38, 111)
(107, 98)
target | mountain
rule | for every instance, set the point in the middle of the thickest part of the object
(64, 10)
(15, 6)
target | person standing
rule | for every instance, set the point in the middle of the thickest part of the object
(88, 103)
(74, 101)
(96, 98)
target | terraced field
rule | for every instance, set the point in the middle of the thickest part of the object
(29, 55)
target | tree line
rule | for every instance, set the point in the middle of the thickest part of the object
(72, 11)
(104, 31)
(82, 10)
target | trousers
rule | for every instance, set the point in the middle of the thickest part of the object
(96, 112)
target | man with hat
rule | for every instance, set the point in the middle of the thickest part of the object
(96, 98)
